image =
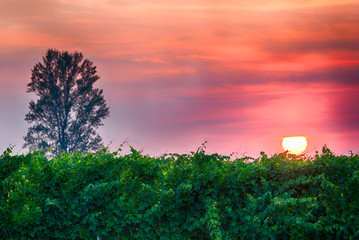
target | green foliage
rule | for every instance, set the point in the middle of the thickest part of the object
(178, 196)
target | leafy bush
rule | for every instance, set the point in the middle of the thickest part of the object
(178, 196)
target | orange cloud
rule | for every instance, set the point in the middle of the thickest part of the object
(227, 70)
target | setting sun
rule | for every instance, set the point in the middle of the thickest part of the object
(294, 145)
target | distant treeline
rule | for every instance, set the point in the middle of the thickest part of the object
(178, 196)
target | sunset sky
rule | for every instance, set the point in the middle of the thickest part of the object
(239, 74)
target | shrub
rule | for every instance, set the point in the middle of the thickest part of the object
(178, 196)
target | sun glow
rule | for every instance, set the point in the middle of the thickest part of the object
(294, 145)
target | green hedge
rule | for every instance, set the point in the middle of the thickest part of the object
(190, 196)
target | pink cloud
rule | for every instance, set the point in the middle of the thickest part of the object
(177, 73)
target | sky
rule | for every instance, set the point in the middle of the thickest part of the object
(240, 75)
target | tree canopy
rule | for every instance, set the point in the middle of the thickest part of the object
(68, 109)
